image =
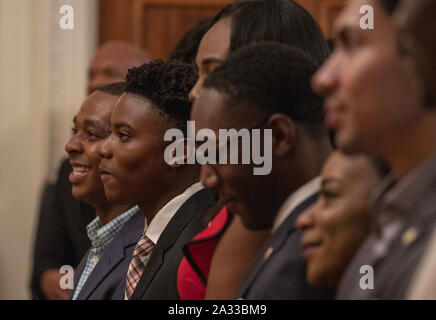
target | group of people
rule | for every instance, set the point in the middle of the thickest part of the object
(347, 210)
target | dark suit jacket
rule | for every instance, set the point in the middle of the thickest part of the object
(159, 279)
(281, 273)
(108, 279)
(394, 269)
(61, 237)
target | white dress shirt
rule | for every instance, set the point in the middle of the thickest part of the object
(164, 215)
(295, 199)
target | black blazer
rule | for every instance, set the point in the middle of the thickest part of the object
(108, 279)
(279, 271)
(61, 237)
(159, 279)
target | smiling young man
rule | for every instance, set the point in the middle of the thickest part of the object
(134, 170)
(61, 237)
(117, 228)
(267, 86)
(375, 102)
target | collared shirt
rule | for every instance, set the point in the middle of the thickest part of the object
(295, 198)
(392, 201)
(165, 214)
(101, 237)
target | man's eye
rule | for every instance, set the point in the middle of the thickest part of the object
(351, 43)
(91, 134)
(329, 194)
(123, 136)
(73, 131)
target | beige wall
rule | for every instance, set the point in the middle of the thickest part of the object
(42, 83)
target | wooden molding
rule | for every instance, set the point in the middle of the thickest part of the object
(157, 25)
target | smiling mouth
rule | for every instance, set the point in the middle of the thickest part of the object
(104, 171)
(309, 248)
(78, 173)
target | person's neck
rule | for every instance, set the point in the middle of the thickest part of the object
(108, 212)
(308, 160)
(150, 206)
(305, 165)
(412, 146)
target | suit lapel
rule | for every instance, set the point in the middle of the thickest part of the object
(190, 209)
(275, 243)
(113, 254)
(419, 224)
(417, 221)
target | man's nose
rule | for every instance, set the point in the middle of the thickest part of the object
(74, 145)
(105, 148)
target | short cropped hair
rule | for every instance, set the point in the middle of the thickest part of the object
(166, 85)
(274, 78)
(281, 21)
(115, 89)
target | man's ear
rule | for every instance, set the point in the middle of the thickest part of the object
(284, 134)
(180, 159)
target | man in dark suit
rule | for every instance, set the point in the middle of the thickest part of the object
(375, 102)
(61, 234)
(267, 86)
(134, 169)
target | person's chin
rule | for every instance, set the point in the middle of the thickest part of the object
(111, 189)
(77, 194)
(345, 143)
(313, 277)
(322, 278)
(81, 193)
(112, 196)
(115, 196)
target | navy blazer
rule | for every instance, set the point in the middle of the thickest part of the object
(279, 271)
(108, 279)
(159, 279)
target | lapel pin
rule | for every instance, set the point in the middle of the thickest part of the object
(268, 253)
(409, 236)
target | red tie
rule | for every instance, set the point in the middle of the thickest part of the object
(137, 265)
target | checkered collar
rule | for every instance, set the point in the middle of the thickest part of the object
(101, 236)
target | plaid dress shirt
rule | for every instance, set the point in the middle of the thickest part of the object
(100, 238)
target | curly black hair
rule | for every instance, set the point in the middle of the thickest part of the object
(166, 85)
(273, 78)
